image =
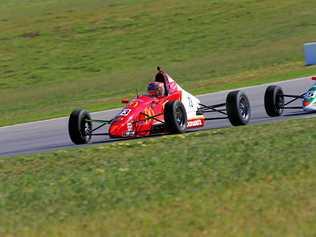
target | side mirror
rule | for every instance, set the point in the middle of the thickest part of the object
(124, 101)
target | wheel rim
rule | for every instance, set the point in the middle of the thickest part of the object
(280, 102)
(180, 117)
(87, 127)
(244, 108)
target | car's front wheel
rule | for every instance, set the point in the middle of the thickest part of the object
(79, 127)
(274, 101)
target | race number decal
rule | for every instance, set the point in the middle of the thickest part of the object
(190, 101)
(125, 112)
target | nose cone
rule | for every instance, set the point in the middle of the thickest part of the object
(115, 130)
(121, 127)
(118, 129)
(306, 103)
(309, 105)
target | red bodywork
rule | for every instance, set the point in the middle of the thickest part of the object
(133, 120)
(144, 115)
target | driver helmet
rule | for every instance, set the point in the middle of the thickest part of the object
(156, 89)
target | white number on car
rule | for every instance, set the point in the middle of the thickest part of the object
(190, 101)
(125, 112)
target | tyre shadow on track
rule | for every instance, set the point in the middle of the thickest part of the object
(292, 114)
(300, 113)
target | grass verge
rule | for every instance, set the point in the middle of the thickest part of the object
(257, 180)
(56, 56)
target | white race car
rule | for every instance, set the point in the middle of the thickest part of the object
(275, 104)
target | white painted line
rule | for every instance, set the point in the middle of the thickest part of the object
(52, 119)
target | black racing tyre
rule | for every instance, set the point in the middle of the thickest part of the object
(274, 101)
(238, 108)
(175, 117)
(78, 127)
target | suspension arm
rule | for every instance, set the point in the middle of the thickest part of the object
(292, 107)
(295, 97)
(99, 134)
(103, 123)
(148, 117)
(213, 108)
(213, 111)
(216, 118)
(99, 121)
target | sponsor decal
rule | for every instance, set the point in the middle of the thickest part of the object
(129, 127)
(310, 94)
(130, 130)
(149, 112)
(195, 123)
(129, 134)
(125, 112)
(134, 104)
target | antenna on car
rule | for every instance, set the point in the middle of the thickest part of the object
(137, 93)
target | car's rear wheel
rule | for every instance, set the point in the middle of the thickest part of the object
(274, 101)
(175, 117)
(238, 108)
(79, 127)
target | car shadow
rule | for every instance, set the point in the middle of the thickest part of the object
(301, 113)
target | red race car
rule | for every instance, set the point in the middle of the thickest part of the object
(165, 108)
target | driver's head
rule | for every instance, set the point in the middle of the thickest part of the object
(155, 89)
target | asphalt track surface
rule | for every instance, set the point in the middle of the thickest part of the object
(52, 134)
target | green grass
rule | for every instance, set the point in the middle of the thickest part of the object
(257, 180)
(58, 55)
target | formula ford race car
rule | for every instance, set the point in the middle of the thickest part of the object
(274, 100)
(165, 108)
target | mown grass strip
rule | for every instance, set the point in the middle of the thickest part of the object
(56, 56)
(256, 180)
